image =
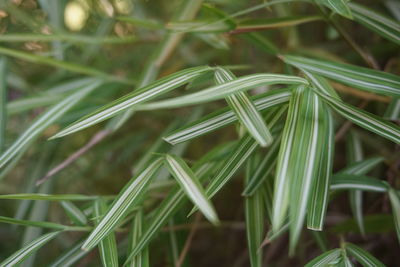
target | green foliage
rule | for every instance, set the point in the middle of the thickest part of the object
(254, 115)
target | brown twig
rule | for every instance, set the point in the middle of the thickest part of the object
(99, 136)
(188, 242)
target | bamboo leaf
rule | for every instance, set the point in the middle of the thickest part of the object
(361, 167)
(192, 187)
(126, 102)
(74, 213)
(304, 162)
(395, 202)
(70, 256)
(220, 91)
(22, 254)
(142, 259)
(225, 116)
(360, 182)
(380, 24)
(245, 110)
(328, 258)
(338, 6)
(319, 198)
(129, 196)
(362, 78)
(59, 197)
(362, 256)
(365, 119)
(107, 246)
(45, 120)
(254, 213)
(3, 101)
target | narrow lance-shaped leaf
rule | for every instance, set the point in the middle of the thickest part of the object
(189, 183)
(281, 188)
(107, 246)
(70, 256)
(395, 202)
(225, 116)
(254, 212)
(130, 195)
(3, 100)
(305, 159)
(380, 24)
(220, 91)
(146, 93)
(359, 77)
(362, 256)
(141, 259)
(359, 182)
(328, 258)
(41, 224)
(45, 120)
(355, 154)
(22, 254)
(361, 167)
(339, 6)
(245, 110)
(365, 119)
(74, 213)
(241, 152)
(393, 111)
(58, 197)
(319, 198)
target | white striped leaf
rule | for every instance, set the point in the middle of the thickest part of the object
(220, 91)
(362, 167)
(70, 256)
(304, 161)
(129, 196)
(141, 95)
(58, 197)
(74, 213)
(225, 116)
(393, 111)
(240, 154)
(22, 254)
(245, 110)
(362, 256)
(328, 258)
(380, 24)
(338, 6)
(192, 187)
(141, 259)
(318, 202)
(353, 181)
(45, 120)
(107, 246)
(362, 78)
(365, 119)
(395, 202)
(254, 213)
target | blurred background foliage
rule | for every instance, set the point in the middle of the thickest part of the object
(117, 40)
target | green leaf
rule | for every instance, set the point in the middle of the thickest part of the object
(61, 64)
(126, 102)
(3, 101)
(200, 26)
(304, 162)
(395, 202)
(353, 181)
(22, 254)
(60, 197)
(141, 259)
(263, 170)
(49, 225)
(362, 167)
(192, 187)
(108, 245)
(220, 91)
(45, 120)
(380, 24)
(365, 119)
(393, 110)
(362, 256)
(254, 213)
(359, 77)
(338, 6)
(74, 213)
(129, 196)
(70, 256)
(225, 116)
(328, 258)
(245, 110)
(319, 198)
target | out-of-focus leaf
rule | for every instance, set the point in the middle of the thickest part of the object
(338, 6)
(74, 213)
(3, 100)
(395, 201)
(362, 256)
(360, 182)
(328, 258)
